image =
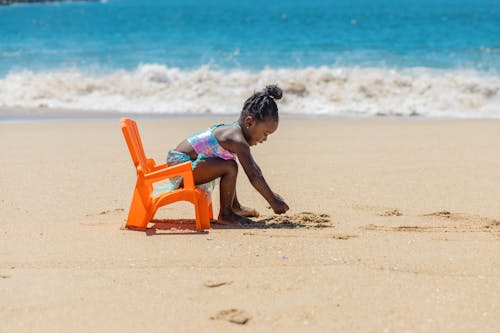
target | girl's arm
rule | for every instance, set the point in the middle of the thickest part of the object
(256, 178)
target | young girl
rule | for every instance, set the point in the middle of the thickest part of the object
(213, 154)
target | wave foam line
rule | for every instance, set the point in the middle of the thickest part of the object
(152, 88)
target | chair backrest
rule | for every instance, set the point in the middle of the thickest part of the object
(134, 143)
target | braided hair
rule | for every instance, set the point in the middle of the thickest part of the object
(262, 105)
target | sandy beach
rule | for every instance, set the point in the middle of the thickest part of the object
(394, 226)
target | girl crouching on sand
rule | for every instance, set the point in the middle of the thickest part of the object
(213, 155)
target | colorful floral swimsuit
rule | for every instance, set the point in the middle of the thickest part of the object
(206, 145)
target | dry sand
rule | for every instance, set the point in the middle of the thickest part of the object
(394, 227)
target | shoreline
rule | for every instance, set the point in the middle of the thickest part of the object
(22, 114)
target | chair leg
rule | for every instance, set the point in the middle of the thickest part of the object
(199, 216)
(204, 210)
(205, 221)
(140, 213)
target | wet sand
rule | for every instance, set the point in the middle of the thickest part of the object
(394, 226)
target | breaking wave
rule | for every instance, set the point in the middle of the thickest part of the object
(331, 91)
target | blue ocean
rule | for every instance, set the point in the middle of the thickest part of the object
(354, 58)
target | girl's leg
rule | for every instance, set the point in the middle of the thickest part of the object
(212, 168)
(243, 210)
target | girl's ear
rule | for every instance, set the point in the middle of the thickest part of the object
(249, 121)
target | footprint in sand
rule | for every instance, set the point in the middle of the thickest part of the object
(373, 227)
(344, 237)
(107, 212)
(2, 276)
(442, 213)
(392, 212)
(323, 235)
(234, 316)
(215, 284)
(381, 211)
(461, 223)
(471, 220)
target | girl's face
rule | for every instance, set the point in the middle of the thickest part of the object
(258, 131)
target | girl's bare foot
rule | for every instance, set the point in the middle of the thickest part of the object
(245, 211)
(230, 219)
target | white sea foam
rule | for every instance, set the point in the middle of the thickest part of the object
(332, 91)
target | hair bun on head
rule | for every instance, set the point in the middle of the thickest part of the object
(273, 91)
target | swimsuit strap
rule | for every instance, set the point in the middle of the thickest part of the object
(225, 124)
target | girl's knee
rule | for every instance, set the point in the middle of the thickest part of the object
(231, 166)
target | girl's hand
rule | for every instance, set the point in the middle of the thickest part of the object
(279, 206)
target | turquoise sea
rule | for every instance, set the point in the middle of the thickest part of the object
(340, 58)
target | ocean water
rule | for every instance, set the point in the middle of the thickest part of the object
(341, 58)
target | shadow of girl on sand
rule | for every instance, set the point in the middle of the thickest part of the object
(300, 220)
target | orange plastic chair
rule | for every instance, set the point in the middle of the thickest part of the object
(143, 206)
